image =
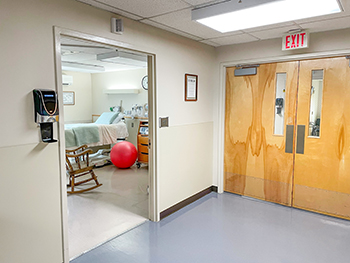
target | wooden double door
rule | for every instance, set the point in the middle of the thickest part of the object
(287, 134)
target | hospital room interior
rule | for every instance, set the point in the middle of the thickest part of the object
(105, 99)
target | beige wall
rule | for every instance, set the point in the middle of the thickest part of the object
(30, 202)
(30, 217)
(81, 111)
(120, 79)
(192, 155)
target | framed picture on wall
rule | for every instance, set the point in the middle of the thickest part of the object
(68, 98)
(191, 87)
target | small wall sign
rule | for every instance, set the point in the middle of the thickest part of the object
(191, 87)
(295, 41)
(68, 98)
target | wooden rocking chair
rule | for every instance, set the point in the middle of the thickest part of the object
(77, 165)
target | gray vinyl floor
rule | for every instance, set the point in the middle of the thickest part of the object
(233, 229)
(120, 204)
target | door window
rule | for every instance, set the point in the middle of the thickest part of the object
(280, 96)
(315, 103)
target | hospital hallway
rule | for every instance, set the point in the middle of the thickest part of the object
(230, 228)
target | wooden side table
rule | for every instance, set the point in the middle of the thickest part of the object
(142, 144)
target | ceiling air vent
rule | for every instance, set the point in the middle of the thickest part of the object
(117, 26)
(67, 80)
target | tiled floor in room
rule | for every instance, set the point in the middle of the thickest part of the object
(229, 228)
(120, 204)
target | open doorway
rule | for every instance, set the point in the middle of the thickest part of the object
(101, 82)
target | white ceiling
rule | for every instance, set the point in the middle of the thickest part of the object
(76, 53)
(175, 16)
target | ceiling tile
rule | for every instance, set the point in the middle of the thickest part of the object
(175, 16)
(110, 9)
(346, 6)
(260, 28)
(322, 18)
(326, 25)
(209, 42)
(236, 39)
(173, 30)
(182, 20)
(273, 33)
(147, 8)
(346, 12)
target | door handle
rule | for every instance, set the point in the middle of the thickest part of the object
(289, 138)
(300, 139)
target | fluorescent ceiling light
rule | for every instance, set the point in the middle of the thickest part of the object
(124, 58)
(69, 52)
(81, 67)
(233, 16)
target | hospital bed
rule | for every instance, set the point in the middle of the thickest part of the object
(107, 129)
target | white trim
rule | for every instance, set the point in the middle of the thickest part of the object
(153, 202)
(222, 96)
(61, 141)
(154, 214)
(221, 131)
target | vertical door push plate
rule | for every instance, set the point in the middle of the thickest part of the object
(300, 139)
(289, 138)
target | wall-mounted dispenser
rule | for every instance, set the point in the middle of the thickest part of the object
(279, 105)
(45, 112)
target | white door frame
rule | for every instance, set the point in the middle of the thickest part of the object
(222, 97)
(154, 213)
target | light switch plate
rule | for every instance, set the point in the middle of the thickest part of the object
(163, 122)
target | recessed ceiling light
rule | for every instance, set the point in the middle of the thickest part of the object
(123, 58)
(233, 16)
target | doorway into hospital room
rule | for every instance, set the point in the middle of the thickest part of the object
(105, 102)
(287, 134)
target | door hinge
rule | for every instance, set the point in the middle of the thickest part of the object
(348, 57)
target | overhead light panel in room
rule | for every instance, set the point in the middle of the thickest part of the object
(82, 67)
(239, 15)
(124, 58)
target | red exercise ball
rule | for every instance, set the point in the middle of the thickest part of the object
(123, 154)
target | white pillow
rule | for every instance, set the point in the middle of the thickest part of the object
(105, 118)
(118, 119)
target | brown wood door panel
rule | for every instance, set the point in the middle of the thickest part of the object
(322, 173)
(255, 162)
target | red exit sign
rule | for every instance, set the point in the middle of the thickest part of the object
(295, 41)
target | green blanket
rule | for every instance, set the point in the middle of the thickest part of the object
(86, 134)
(70, 138)
(82, 134)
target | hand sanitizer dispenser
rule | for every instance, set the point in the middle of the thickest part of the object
(45, 112)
